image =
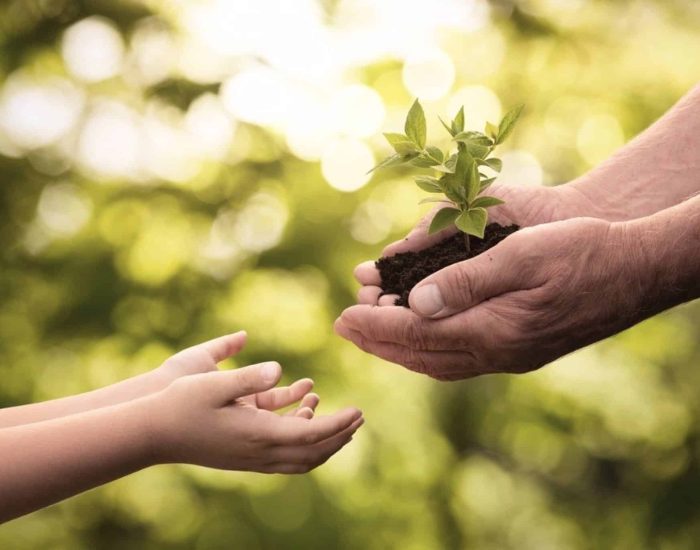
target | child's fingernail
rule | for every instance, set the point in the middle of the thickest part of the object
(270, 371)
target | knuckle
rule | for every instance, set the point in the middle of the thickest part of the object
(459, 283)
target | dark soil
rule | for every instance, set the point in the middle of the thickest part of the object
(400, 273)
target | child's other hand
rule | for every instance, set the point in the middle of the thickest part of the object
(225, 419)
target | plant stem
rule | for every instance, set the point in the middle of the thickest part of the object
(467, 244)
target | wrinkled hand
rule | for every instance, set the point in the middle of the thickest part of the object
(524, 206)
(225, 419)
(537, 295)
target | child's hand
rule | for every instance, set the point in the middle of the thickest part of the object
(224, 419)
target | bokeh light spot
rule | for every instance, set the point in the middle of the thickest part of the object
(345, 164)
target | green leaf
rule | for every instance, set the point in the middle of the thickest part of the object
(458, 122)
(453, 188)
(429, 184)
(415, 125)
(491, 130)
(393, 160)
(433, 199)
(485, 184)
(493, 163)
(474, 182)
(447, 127)
(476, 143)
(451, 163)
(401, 143)
(474, 137)
(486, 202)
(424, 161)
(508, 123)
(443, 219)
(444, 169)
(435, 153)
(472, 222)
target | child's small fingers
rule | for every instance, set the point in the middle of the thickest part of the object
(223, 347)
(304, 412)
(286, 431)
(276, 398)
(310, 400)
(316, 454)
(368, 295)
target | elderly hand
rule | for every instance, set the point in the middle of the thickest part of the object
(524, 206)
(537, 295)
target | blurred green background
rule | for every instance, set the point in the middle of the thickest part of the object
(174, 170)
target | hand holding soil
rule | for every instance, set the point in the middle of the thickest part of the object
(541, 293)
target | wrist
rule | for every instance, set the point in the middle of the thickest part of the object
(151, 430)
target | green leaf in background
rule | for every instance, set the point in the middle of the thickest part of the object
(486, 202)
(458, 122)
(415, 127)
(428, 183)
(472, 222)
(401, 143)
(508, 123)
(443, 219)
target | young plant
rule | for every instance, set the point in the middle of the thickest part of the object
(460, 180)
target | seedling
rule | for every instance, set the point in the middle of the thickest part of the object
(461, 182)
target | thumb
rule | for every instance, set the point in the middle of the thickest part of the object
(465, 284)
(232, 384)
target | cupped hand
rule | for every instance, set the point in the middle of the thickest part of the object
(199, 359)
(226, 419)
(539, 294)
(524, 206)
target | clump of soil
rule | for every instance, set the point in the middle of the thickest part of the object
(400, 273)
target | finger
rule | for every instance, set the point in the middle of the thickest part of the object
(303, 412)
(277, 398)
(441, 365)
(368, 295)
(418, 238)
(227, 386)
(465, 284)
(399, 325)
(388, 300)
(317, 453)
(288, 430)
(367, 274)
(311, 400)
(394, 324)
(224, 347)
(308, 403)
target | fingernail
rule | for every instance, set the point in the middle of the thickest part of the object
(427, 300)
(269, 372)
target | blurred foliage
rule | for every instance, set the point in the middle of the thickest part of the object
(106, 270)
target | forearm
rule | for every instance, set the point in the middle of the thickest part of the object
(121, 392)
(656, 170)
(665, 248)
(45, 462)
